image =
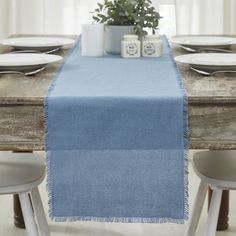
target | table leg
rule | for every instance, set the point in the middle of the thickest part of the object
(18, 216)
(224, 210)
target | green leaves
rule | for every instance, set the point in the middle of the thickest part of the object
(139, 13)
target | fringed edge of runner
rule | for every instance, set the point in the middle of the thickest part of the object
(46, 112)
(117, 219)
(186, 132)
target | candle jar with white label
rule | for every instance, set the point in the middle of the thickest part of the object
(130, 46)
(152, 46)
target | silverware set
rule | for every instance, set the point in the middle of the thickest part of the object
(36, 51)
(210, 73)
(30, 73)
(205, 49)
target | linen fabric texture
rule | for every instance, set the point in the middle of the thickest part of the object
(117, 140)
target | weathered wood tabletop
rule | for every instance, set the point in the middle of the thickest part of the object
(212, 109)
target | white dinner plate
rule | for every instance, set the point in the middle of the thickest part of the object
(38, 43)
(211, 61)
(208, 59)
(195, 41)
(26, 61)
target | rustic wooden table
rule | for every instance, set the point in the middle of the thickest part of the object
(211, 108)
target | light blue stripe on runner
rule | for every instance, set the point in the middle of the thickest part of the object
(117, 140)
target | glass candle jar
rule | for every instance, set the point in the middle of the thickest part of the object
(152, 46)
(130, 46)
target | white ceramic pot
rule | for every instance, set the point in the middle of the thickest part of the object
(114, 35)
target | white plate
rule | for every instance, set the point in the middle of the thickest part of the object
(208, 59)
(38, 43)
(26, 61)
(199, 41)
(211, 61)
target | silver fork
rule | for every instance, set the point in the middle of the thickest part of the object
(23, 73)
(35, 51)
(207, 73)
(206, 49)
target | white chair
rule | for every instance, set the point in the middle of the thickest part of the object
(216, 169)
(21, 173)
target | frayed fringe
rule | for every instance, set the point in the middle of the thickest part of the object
(119, 219)
(186, 132)
(49, 185)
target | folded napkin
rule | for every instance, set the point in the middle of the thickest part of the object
(117, 140)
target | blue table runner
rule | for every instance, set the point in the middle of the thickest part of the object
(116, 140)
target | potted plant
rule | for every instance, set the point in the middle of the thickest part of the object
(125, 17)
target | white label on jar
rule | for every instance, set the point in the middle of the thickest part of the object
(149, 49)
(132, 49)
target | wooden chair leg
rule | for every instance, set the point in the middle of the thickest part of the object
(197, 209)
(39, 213)
(18, 216)
(213, 213)
(28, 214)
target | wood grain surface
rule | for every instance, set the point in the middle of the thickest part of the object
(211, 103)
